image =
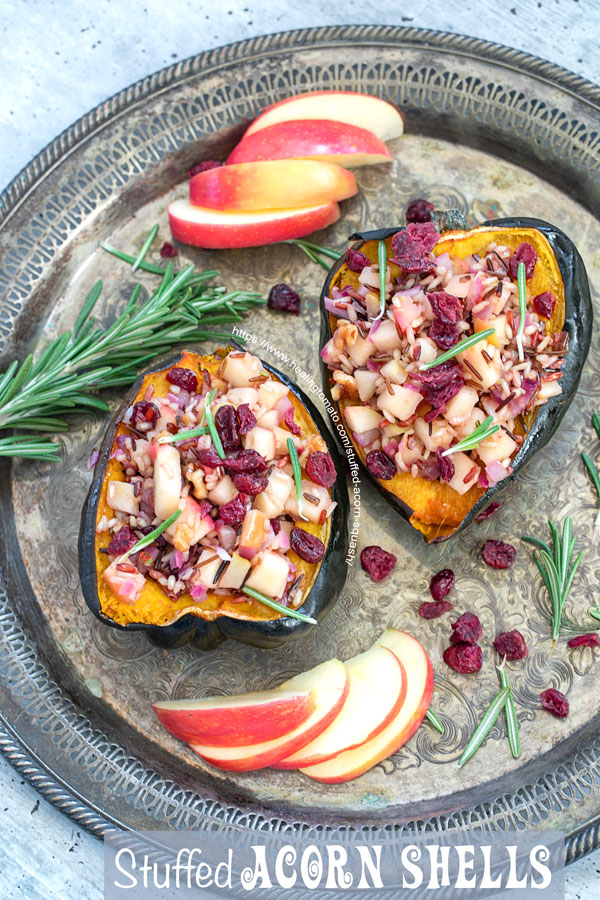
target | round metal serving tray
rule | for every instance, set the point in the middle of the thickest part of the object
(489, 131)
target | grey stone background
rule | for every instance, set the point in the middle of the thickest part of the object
(60, 58)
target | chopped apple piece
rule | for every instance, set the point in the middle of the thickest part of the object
(330, 684)
(262, 440)
(127, 582)
(419, 688)
(234, 574)
(496, 448)
(376, 693)
(366, 382)
(238, 720)
(239, 395)
(191, 526)
(401, 403)
(360, 351)
(466, 473)
(273, 499)
(362, 418)
(239, 369)
(120, 496)
(310, 510)
(460, 407)
(255, 528)
(489, 371)
(386, 337)
(224, 491)
(270, 575)
(167, 481)
(211, 564)
(271, 392)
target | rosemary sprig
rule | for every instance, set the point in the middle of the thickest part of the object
(458, 348)
(595, 476)
(314, 252)
(521, 283)
(596, 423)
(512, 723)
(297, 473)
(433, 719)
(286, 610)
(486, 724)
(484, 430)
(382, 263)
(555, 568)
(145, 247)
(149, 538)
(183, 435)
(216, 439)
(64, 376)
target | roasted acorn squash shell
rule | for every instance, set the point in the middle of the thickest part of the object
(573, 314)
(206, 633)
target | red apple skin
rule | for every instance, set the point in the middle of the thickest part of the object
(353, 763)
(262, 717)
(274, 184)
(261, 755)
(381, 117)
(216, 230)
(337, 142)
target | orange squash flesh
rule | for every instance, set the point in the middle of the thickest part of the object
(437, 509)
(154, 607)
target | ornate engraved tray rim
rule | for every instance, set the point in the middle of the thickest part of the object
(28, 674)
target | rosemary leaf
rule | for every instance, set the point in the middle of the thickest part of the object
(484, 430)
(485, 725)
(458, 348)
(286, 610)
(149, 538)
(556, 569)
(435, 721)
(382, 263)
(512, 723)
(521, 283)
(297, 473)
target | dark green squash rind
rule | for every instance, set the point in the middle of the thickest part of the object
(578, 323)
(208, 635)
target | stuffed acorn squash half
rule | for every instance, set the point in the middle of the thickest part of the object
(456, 364)
(217, 509)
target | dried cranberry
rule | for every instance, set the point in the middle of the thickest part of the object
(441, 584)
(464, 658)
(122, 541)
(419, 210)
(444, 334)
(380, 465)
(432, 610)
(210, 458)
(250, 484)
(226, 425)
(306, 545)
(512, 645)
(143, 411)
(204, 167)
(440, 383)
(320, 468)
(183, 378)
(413, 245)
(498, 554)
(284, 299)
(168, 251)
(446, 306)
(275, 524)
(555, 702)
(524, 253)
(584, 640)
(246, 418)
(544, 304)
(377, 562)
(488, 511)
(466, 630)
(445, 465)
(246, 461)
(290, 421)
(355, 260)
(233, 513)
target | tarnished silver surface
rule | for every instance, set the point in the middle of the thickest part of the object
(489, 131)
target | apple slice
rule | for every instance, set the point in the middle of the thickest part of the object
(276, 184)
(419, 688)
(330, 683)
(222, 230)
(237, 720)
(376, 693)
(383, 119)
(337, 142)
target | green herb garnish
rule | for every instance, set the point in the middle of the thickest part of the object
(521, 283)
(294, 614)
(149, 538)
(555, 568)
(512, 723)
(484, 430)
(184, 435)
(382, 262)
(314, 252)
(596, 423)
(458, 348)
(297, 473)
(435, 721)
(595, 476)
(486, 724)
(64, 377)
(145, 247)
(211, 424)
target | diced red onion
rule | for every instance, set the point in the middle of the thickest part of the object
(198, 591)
(94, 457)
(374, 326)
(220, 551)
(485, 313)
(444, 261)
(176, 560)
(335, 310)
(227, 535)
(495, 472)
(364, 438)
(391, 448)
